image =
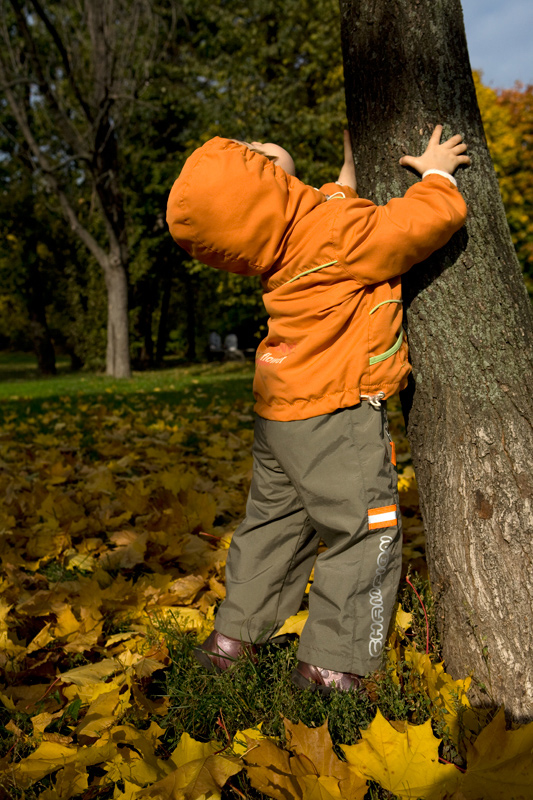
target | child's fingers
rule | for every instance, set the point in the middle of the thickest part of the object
(453, 140)
(460, 148)
(435, 136)
(409, 161)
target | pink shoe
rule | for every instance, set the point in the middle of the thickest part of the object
(220, 652)
(324, 681)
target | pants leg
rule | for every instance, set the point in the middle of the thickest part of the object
(341, 467)
(271, 554)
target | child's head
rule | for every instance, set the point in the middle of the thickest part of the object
(275, 153)
(231, 209)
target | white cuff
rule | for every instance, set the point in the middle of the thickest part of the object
(440, 172)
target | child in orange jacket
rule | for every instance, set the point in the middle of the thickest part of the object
(330, 265)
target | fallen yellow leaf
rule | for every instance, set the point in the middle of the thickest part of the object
(47, 758)
(93, 673)
(294, 624)
(269, 771)
(499, 763)
(199, 770)
(448, 696)
(406, 764)
(320, 787)
(244, 740)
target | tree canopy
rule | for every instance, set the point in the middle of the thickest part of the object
(508, 121)
(179, 75)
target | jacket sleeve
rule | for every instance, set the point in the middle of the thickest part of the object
(377, 243)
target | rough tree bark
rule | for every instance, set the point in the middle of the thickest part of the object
(470, 333)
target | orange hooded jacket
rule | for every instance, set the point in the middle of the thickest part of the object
(330, 270)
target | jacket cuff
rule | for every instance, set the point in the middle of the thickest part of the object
(439, 172)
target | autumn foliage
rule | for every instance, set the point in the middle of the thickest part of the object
(508, 121)
(115, 522)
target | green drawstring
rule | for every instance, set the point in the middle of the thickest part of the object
(396, 346)
(308, 271)
(383, 303)
(390, 352)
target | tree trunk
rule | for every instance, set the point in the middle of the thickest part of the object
(39, 331)
(145, 291)
(117, 353)
(470, 334)
(42, 345)
(190, 299)
(162, 331)
(96, 149)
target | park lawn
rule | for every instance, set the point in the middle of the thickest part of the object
(119, 499)
(20, 380)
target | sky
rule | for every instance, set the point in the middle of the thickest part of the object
(500, 40)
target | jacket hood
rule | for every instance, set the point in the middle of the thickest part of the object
(233, 209)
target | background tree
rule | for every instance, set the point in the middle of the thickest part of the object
(266, 69)
(508, 121)
(24, 267)
(470, 333)
(71, 74)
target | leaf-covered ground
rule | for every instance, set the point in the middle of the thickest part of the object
(115, 521)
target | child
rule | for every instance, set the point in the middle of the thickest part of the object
(330, 265)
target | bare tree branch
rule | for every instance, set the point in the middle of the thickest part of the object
(16, 82)
(69, 131)
(52, 30)
(49, 170)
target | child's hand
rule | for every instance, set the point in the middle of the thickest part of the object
(347, 173)
(446, 156)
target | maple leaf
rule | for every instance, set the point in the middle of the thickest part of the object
(66, 621)
(69, 782)
(405, 763)
(447, 696)
(47, 758)
(41, 721)
(137, 761)
(102, 714)
(199, 770)
(499, 763)
(90, 692)
(310, 771)
(93, 673)
(269, 771)
(314, 748)
(321, 787)
(245, 739)
(182, 591)
(41, 639)
(401, 620)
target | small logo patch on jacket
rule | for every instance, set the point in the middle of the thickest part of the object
(276, 354)
(269, 358)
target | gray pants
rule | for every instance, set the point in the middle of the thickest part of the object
(328, 478)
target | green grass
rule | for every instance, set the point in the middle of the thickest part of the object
(16, 366)
(22, 389)
(215, 706)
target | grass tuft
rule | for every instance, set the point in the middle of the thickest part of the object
(206, 705)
